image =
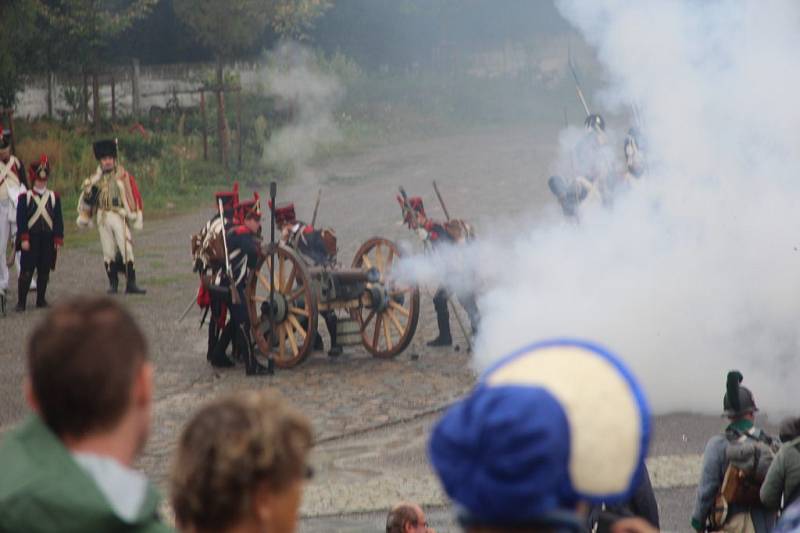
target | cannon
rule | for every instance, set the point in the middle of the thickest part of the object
(372, 309)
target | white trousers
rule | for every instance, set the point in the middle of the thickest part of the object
(115, 236)
(6, 229)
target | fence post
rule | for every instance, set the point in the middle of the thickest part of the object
(205, 126)
(113, 100)
(135, 91)
(85, 98)
(50, 85)
(239, 125)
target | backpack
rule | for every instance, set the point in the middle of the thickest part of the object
(748, 456)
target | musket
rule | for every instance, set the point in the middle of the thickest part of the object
(228, 270)
(441, 201)
(316, 207)
(577, 83)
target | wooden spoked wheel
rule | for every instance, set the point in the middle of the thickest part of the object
(294, 311)
(388, 312)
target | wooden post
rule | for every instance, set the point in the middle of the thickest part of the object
(96, 102)
(113, 100)
(50, 84)
(85, 98)
(135, 94)
(205, 124)
(222, 136)
(239, 125)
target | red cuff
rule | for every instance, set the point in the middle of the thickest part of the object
(24, 237)
(59, 241)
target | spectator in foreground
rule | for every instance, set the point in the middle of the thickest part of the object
(522, 451)
(783, 476)
(407, 518)
(240, 466)
(68, 466)
(642, 504)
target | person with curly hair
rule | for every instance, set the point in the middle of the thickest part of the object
(240, 466)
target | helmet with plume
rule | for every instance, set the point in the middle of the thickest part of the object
(738, 400)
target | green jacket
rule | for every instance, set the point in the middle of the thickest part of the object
(783, 476)
(43, 489)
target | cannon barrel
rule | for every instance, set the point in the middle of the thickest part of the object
(347, 276)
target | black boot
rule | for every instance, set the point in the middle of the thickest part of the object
(251, 365)
(331, 322)
(113, 277)
(41, 290)
(130, 286)
(23, 284)
(443, 319)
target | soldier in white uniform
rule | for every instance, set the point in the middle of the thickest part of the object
(112, 195)
(12, 184)
(592, 161)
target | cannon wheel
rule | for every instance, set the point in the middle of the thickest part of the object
(296, 325)
(387, 332)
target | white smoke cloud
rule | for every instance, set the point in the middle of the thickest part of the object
(310, 95)
(697, 270)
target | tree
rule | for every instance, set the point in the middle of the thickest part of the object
(16, 41)
(230, 27)
(86, 27)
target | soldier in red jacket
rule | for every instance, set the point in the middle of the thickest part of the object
(40, 230)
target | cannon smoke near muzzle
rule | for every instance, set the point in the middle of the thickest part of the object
(695, 270)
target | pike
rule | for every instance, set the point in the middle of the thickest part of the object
(577, 83)
(316, 207)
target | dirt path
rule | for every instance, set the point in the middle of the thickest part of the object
(370, 416)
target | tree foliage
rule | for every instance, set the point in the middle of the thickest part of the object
(230, 27)
(88, 26)
(16, 40)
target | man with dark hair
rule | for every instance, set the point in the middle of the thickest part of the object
(406, 518)
(112, 195)
(68, 466)
(728, 491)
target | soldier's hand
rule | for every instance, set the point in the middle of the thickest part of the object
(25, 245)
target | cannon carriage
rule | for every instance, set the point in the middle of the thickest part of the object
(371, 308)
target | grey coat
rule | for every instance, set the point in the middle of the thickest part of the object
(783, 477)
(713, 472)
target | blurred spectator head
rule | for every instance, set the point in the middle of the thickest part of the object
(88, 370)
(547, 429)
(406, 518)
(241, 463)
(789, 428)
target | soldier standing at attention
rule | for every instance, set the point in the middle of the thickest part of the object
(112, 194)
(41, 233)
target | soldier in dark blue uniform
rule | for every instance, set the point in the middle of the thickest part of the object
(243, 253)
(437, 234)
(40, 230)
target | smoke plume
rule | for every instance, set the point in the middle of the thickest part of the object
(309, 95)
(697, 269)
